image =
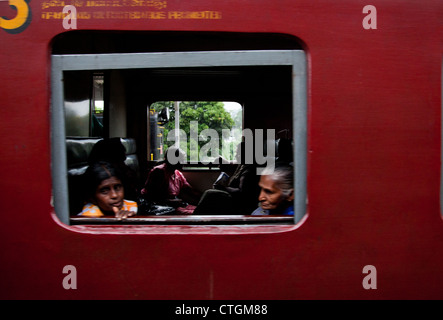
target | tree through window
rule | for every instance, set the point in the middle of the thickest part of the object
(207, 129)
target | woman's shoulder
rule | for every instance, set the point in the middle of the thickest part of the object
(160, 169)
(130, 205)
(260, 212)
(91, 210)
(160, 166)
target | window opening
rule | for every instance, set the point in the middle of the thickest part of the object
(259, 60)
(189, 124)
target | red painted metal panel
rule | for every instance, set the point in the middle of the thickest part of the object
(373, 165)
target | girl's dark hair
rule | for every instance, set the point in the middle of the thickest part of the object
(98, 172)
(111, 150)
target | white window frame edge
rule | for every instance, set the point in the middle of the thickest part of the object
(61, 63)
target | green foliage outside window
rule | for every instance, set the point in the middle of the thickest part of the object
(208, 115)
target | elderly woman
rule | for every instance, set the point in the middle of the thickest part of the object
(277, 191)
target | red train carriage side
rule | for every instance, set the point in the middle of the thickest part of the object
(356, 87)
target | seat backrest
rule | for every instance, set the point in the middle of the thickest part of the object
(285, 150)
(131, 154)
(77, 153)
(79, 149)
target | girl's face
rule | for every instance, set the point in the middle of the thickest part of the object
(109, 194)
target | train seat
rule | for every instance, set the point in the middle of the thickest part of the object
(77, 153)
(284, 150)
(282, 153)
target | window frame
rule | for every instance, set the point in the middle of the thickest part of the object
(62, 63)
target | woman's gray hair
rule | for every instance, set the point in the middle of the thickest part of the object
(283, 175)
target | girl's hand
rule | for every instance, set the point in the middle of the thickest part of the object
(123, 214)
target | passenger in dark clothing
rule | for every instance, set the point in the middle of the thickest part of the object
(238, 196)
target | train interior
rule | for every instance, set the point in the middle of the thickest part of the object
(105, 103)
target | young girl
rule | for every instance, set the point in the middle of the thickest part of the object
(105, 193)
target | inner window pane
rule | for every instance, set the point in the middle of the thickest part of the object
(205, 130)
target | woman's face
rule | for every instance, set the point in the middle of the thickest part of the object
(271, 195)
(109, 194)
